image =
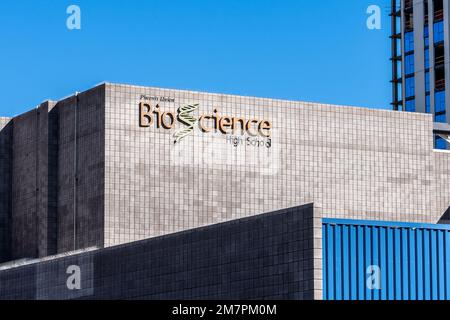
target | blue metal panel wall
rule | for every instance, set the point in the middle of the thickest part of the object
(413, 260)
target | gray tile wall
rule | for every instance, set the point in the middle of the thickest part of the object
(33, 214)
(43, 177)
(25, 184)
(5, 186)
(117, 182)
(81, 170)
(270, 256)
(354, 162)
(441, 166)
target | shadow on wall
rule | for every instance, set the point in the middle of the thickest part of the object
(445, 219)
(5, 189)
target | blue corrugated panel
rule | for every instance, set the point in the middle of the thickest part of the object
(369, 260)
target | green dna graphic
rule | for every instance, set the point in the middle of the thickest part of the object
(186, 117)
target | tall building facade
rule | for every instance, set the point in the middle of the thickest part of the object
(421, 61)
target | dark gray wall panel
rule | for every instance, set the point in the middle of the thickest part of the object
(5, 187)
(80, 177)
(269, 256)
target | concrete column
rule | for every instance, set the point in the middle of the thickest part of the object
(5, 187)
(46, 201)
(402, 45)
(447, 56)
(419, 56)
(431, 41)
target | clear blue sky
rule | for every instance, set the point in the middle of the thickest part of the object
(317, 51)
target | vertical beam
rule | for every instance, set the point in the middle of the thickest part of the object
(419, 56)
(5, 187)
(447, 56)
(46, 195)
(432, 70)
(403, 54)
(52, 162)
(40, 175)
(393, 55)
(75, 172)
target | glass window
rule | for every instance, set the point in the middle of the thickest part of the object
(409, 64)
(427, 104)
(410, 105)
(439, 102)
(440, 143)
(426, 34)
(439, 31)
(427, 58)
(427, 81)
(409, 41)
(440, 118)
(409, 87)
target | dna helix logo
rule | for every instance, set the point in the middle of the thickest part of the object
(185, 116)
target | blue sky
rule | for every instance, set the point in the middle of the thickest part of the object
(317, 51)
